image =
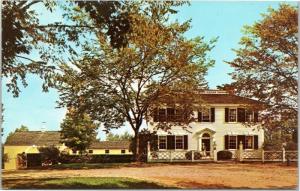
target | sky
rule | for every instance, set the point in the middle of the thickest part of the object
(224, 20)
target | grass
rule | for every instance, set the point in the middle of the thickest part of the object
(88, 165)
(83, 183)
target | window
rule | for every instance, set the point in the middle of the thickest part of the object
(123, 151)
(74, 151)
(161, 115)
(162, 142)
(249, 116)
(106, 151)
(205, 115)
(90, 151)
(232, 115)
(178, 142)
(232, 142)
(249, 142)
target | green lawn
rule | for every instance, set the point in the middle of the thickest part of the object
(82, 183)
(88, 165)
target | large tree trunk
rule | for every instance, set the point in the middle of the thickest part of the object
(136, 144)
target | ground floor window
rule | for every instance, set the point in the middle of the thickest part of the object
(106, 151)
(249, 142)
(123, 151)
(90, 151)
(232, 142)
(179, 142)
(162, 142)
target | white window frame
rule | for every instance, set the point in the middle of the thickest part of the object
(209, 115)
(236, 116)
(252, 117)
(165, 143)
(182, 142)
(236, 142)
(252, 146)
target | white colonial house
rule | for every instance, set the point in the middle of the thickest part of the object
(221, 125)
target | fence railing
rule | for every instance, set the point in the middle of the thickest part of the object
(179, 156)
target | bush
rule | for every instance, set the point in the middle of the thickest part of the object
(197, 155)
(49, 155)
(224, 155)
(291, 146)
(96, 158)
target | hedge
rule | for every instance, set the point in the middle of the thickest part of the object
(96, 158)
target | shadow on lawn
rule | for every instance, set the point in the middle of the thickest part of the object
(197, 185)
(59, 183)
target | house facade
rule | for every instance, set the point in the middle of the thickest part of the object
(222, 122)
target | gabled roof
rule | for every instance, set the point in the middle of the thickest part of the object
(38, 138)
(227, 99)
(110, 145)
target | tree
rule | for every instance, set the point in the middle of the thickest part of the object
(78, 131)
(24, 33)
(115, 137)
(266, 67)
(115, 86)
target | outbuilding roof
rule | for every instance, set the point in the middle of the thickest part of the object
(48, 138)
(38, 138)
(110, 145)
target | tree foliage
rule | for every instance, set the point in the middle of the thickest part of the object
(24, 34)
(78, 131)
(20, 129)
(50, 154)
(120, 85)
(266, 67)
(115, 137)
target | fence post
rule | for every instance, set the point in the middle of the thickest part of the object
(283, 154)
(171, 156)
(241, 151)
(192, 156)
(262, 155)
(148, 151)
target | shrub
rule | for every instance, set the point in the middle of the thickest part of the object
(291, 146)
(224, 155)
(50, 155)
(96, 158)
(197, 155)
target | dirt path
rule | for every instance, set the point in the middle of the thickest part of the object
(185, 176)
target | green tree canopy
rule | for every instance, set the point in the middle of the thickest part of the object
(78, 131)
(115, 86)
(266, 67)
(115, 137)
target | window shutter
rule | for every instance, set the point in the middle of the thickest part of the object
(185, 139)
(226, 137)
(155, 115)
(170, 141)
(255, 116)
(241, 114)
(199, 116)
(241, 138)
(255, 141)
(226, 114)
(212, 114)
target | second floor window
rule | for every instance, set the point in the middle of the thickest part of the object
(168, 115)
(205, 114)
(232, 115)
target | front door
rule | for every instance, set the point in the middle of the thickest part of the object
(206, 143)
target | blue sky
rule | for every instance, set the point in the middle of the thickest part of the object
(209, 19)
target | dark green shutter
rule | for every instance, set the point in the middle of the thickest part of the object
(170, 141)
(155, 145)
(226, 114)
(226, 138)
(256, 116)
(185, 139)
(241, 114)
(199, 116)
(255, 141)
(212, 114)
(155, 115)
(241, 138)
